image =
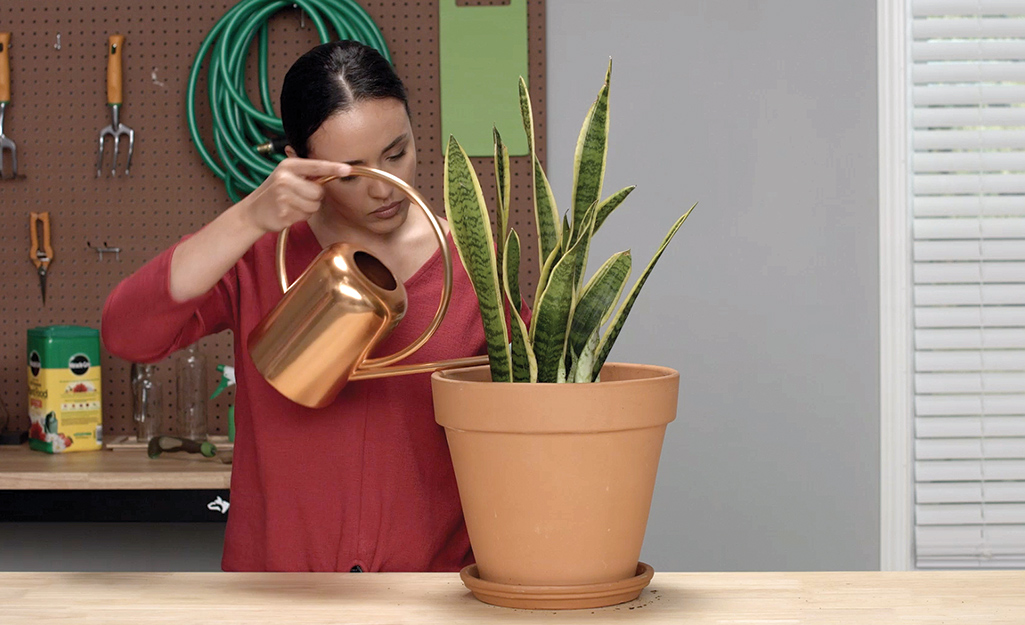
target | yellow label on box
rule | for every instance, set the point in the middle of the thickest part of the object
(65, 402)
(65, 410)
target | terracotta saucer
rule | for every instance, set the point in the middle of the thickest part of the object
(557, 597)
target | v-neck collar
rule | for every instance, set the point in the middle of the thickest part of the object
(304, 239)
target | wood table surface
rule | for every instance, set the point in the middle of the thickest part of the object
(934, 597)
(24, 469)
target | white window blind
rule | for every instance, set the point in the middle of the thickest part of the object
(967, 99)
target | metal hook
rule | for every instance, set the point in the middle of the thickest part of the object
(105, 250)
(57, 46)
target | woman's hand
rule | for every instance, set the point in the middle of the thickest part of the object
(291, 193)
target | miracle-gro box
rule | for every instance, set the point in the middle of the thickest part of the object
(65, 402)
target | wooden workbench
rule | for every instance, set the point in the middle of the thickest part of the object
(24, 469)
(974, 597)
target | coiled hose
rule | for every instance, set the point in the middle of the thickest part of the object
(248, 141)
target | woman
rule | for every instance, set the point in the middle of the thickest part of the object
(365, 484)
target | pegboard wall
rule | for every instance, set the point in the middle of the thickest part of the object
(58, 58)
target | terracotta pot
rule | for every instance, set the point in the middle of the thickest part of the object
(556, 479)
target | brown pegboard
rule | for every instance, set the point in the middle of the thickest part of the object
(58, 106)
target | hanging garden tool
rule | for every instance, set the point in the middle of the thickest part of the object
(116, 130)
(41, 252)
(5, 98)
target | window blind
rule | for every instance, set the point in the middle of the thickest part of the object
(967, 120)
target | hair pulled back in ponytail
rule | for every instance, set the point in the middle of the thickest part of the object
(330, 79)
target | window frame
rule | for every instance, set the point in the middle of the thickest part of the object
(896, 523)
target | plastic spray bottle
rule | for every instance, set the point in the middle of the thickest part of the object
(227, 379)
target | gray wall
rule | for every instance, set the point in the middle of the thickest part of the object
(766, 302)
(765, 113)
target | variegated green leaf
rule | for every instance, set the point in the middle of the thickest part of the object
(610, 204)
(584, 243)
(546, 215)
(542, 282)
(524, 364)
(512, 262)
(471, 231)
(598, 298)
(502, 186)
(590, 157)
(567, 233)
(552, 313)
(545, 211)
(585, 362)
(523, 359)
(527, 114)
(569, 370)
(617, 322)
(578, 233)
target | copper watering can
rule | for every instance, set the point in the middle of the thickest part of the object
(320, 334)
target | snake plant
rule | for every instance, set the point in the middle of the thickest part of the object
(564, 341)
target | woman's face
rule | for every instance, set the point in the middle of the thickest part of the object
(374, 133)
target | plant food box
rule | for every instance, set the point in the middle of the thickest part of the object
(65, 403)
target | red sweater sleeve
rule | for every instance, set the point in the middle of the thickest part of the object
(143, 323)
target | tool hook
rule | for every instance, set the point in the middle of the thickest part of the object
(106, 249)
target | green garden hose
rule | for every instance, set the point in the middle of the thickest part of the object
(242, 133)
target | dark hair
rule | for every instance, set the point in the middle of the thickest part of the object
(331, 78)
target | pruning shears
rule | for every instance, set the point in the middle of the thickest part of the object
(41, 252)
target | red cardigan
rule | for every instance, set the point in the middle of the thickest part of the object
(366, 481)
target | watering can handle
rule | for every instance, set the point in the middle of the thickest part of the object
(371, 366)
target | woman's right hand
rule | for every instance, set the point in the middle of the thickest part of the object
(291, 193)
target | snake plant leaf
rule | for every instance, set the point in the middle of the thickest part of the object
(568, 372)
(512, 289)
(582, 247)
(567, 233)
(553, 312)
(471, 230)
(610, 204)
(578, 233)
(584, 243)
(585, 361)
(546, 215)
(502, 188)
(589, 160)
(597, 299)
(542, 282)
(524, 363)
(617, 322)
(527, 114)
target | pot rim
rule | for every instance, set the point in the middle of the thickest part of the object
(449, 376)
(480, 405)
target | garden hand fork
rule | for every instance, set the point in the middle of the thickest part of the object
(5, 97)
(116, 129)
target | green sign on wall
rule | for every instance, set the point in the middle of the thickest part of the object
(483, 54)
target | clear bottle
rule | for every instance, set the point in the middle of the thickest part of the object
(190, 370)
(146, 402)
